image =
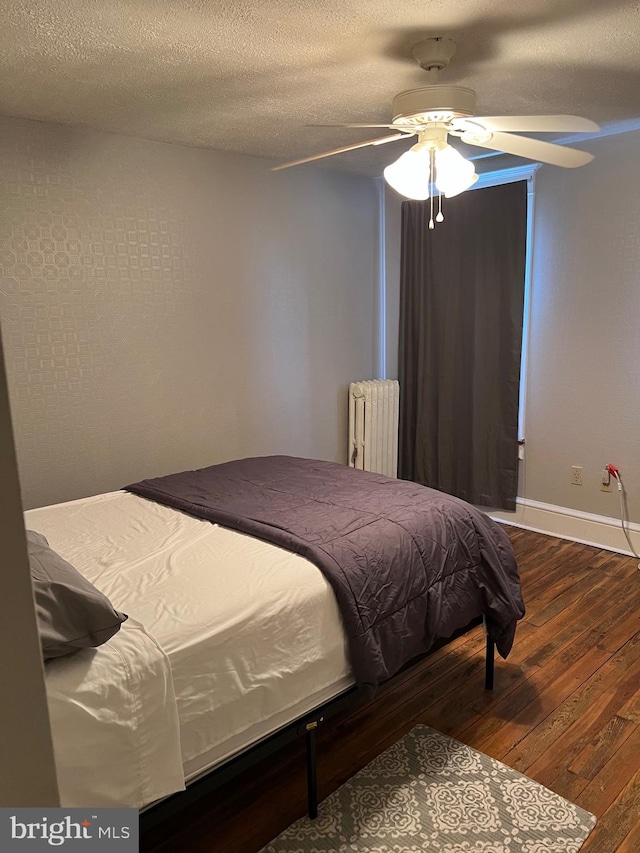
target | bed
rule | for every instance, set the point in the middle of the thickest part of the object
(229, 637)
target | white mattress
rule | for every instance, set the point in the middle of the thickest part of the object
(252, 632)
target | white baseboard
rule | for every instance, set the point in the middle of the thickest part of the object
(601, 531)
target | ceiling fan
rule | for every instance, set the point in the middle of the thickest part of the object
(434, 112)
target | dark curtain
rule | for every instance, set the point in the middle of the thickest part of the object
(461, 306)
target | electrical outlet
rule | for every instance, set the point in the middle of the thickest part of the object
(576, 475)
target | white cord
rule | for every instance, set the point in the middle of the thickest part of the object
(624, 514)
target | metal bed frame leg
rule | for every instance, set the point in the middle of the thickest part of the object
(489, 665)
(312, 779)
(310, 736)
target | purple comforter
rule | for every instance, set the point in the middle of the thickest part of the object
(408, 564)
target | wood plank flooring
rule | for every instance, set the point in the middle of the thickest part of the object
(565, 710)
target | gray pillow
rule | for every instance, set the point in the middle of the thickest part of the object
(72, 613)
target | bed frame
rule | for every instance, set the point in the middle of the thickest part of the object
(306, 725)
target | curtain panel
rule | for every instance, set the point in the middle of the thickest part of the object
(461, 310)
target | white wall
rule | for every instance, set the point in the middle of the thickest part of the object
(169, 307)
(583, 389)
(27, 771)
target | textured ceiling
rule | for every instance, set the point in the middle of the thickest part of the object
(247, 76)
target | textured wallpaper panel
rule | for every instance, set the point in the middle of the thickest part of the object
(166, 307)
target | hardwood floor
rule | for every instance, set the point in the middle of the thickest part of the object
(565, 710)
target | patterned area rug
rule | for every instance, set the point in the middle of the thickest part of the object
(429, 792)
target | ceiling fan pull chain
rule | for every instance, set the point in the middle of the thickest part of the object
(431, 222)
(439, 217)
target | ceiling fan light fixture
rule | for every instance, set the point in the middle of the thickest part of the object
(409, 175)
(454, 174)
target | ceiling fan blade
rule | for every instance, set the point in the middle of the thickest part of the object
(531, 149)
(382, 140)
(531, 124)
(393, 126)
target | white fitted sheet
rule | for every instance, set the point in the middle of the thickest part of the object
(114, 722)
(252, 631)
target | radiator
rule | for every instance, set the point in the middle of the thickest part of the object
(373, 426)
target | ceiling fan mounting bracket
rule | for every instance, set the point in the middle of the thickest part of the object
(434, 53)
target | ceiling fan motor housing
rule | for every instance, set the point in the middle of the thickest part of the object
(433, 103)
